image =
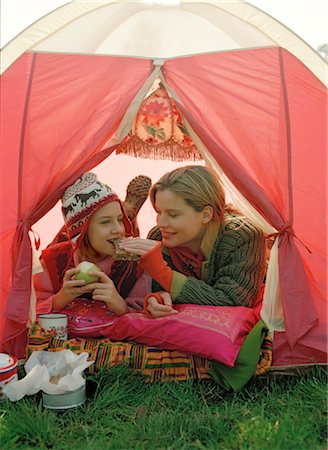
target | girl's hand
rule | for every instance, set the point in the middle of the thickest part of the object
(156, 310)
(138, 246)
(72, 288)
(105, 291)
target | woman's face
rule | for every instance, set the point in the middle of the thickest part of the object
(106, 225)
(180, 224)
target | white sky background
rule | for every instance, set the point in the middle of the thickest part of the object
(307, 18)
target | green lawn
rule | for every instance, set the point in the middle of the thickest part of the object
(124, 412)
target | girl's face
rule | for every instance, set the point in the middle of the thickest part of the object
(180, 224)
(106, 225)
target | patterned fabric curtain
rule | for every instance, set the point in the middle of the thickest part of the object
(158, 131)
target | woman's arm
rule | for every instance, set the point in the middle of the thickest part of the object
(236, 272)
(234, 280)
(151, 260)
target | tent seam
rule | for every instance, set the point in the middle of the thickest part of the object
(22, 139)
(165, 58)
(288, 136)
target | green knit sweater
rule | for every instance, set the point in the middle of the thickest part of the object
(233, 273)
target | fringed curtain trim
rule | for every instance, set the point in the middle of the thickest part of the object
(158, 131)
(170, 149)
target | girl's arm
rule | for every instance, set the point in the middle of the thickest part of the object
(47, 299)
(135, 299)
(44, 292)
(104, 290)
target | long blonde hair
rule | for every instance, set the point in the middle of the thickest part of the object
(199, 186)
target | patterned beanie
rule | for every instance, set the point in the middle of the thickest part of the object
(82, 199)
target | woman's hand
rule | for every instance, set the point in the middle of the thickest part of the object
(105, 291)
(156, 310)
(151, 260)
(138, 246)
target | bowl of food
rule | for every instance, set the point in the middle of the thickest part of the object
(68, 400)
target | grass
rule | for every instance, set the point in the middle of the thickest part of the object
(124, 412)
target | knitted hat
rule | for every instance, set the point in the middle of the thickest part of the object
(82, 200)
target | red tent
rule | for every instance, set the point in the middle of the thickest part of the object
(257, 108)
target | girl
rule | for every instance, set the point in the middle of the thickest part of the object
(94, 219)
(209, 255)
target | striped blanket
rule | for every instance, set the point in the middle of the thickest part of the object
(152, 362)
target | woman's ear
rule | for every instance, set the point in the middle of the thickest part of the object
(207, 214)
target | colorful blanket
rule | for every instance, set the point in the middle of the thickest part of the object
(153, 363)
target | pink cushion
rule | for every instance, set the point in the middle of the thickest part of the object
(89, 318)
(214, 332)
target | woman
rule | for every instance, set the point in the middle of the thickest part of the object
(94, 219)
(209, 255)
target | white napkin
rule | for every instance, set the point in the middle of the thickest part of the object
(41, 366)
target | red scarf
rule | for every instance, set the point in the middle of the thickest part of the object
(187, 262)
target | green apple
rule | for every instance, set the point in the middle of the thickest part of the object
(85, 268)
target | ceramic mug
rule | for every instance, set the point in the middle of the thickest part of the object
(56, 322)
(8, 369)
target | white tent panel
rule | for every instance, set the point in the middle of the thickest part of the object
(154, 31)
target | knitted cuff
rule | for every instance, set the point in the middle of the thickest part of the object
(154, 263)
(158, 297)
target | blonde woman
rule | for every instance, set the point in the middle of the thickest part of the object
(209, 254)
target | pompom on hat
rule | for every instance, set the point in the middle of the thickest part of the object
(81, 200)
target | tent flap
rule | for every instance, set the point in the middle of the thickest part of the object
(68, 106)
